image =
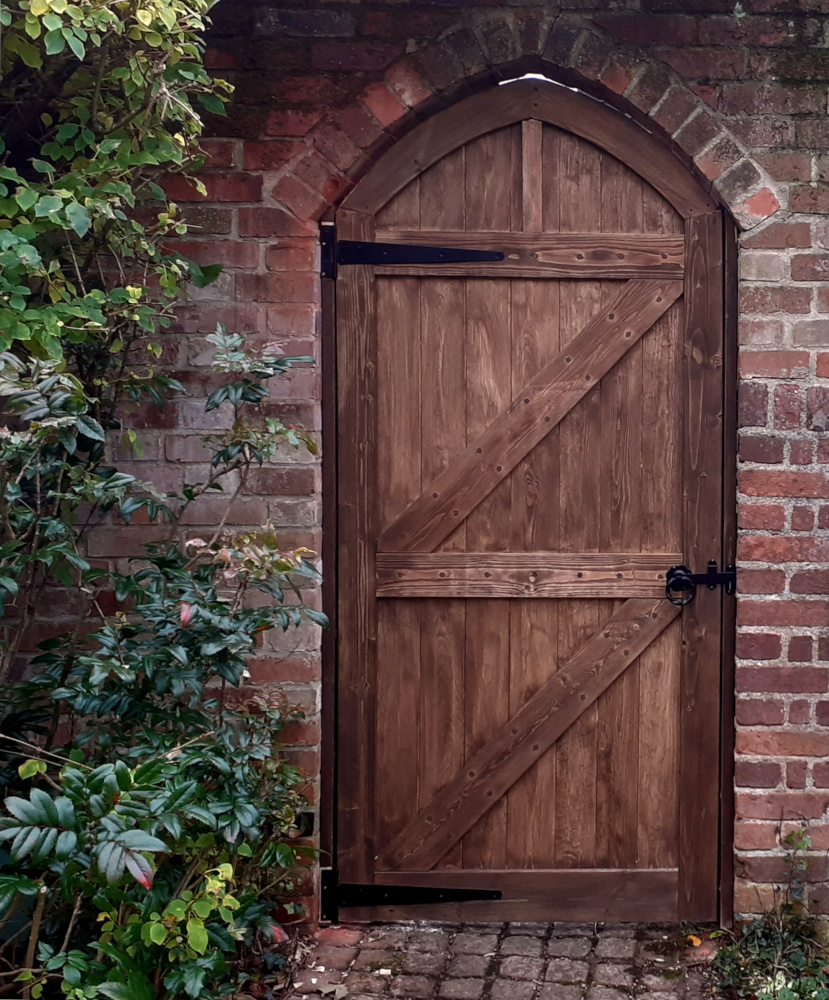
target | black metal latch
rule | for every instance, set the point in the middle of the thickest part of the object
(681, 583)
(338, 895)
(334, 252)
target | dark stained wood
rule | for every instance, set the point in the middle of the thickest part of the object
(357, 608)
(597, 812)
(536, 726)
(586, 894)
(729, 554)
(564, 255)
(620, 524)
(523, 574)
(328, 752)
(500, 106)
(661, 525)
(701, 620)
(442, 420)
(535, 411)
(576, 188)
(492, 186)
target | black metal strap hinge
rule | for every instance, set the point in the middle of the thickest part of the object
(338, 895)
(335, 253)
(681, 584)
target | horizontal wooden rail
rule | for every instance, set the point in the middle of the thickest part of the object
(523, 574)
(545, 255)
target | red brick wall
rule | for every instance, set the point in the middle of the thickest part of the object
(323, 87)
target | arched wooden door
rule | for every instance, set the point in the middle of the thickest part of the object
(525, 447)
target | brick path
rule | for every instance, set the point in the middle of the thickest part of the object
(518, 961)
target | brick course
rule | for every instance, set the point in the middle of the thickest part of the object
(323, 88)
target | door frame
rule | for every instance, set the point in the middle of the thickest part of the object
(328, 801)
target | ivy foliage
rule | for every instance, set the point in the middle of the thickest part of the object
(96, 100)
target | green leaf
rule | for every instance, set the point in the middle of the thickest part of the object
(31, 767)
(48, 205)
(26, 198)
(212, 104)
(55, 43)
(78, 218)
(90, 427)
(197, 935)
(157, 932)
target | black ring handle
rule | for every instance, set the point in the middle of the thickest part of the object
(680, 587)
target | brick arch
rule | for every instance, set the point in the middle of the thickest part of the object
(484, 50)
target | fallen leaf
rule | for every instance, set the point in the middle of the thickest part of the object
(694, 940)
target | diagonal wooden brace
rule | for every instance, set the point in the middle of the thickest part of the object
(518, 744)
(544, 402)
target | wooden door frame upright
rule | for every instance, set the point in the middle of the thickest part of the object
(328, 823)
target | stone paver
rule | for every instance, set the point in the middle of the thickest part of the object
(514, 961)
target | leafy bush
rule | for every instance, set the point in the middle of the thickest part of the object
(779, 955)
(150, 839)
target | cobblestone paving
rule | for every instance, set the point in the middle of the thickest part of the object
(517, 961)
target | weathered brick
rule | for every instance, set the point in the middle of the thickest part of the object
(757, 774)
(408, 83)
(753, 404)
(698, 133)
(383, 103)
(781, 805)
(291, 122)
(788, 406)
(719, 158)
(270, 154)
(769, 517)
(264, 222)
(774, 364)
(805, 614)
(812, 581)
(763, 450)
(801, 452)
(713, 63)
(349, 57)
(760, 548)
(779, 235)
(809, 198)
(800, 711)
(810, 267)
(219, 187)
(803, 519)
(817, 408)
(787, 167)
(755, 482)
(769, 299)
(755, 836)
(761, 581)
(759, 646)
(783, 680)
(759, 712)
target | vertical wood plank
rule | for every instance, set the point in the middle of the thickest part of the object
(729, 555)
(492, 180)
(578, 193)
(398, 621)
(659, 665)
(357, 606)
(620, 530)
(534, 484)
(701, 620)
(399, 685)
(443, 432)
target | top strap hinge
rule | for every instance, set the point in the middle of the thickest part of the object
(335, 253)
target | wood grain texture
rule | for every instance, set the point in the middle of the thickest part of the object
(443, 421)
(543, 402)
(701, 622)
(503, 105)
(492, 192)
(523, 574)
(562, 255)
(575, 185)
(620, 524)
(488, 773)
(357, 527)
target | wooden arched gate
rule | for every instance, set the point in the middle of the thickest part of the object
(525, 446)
